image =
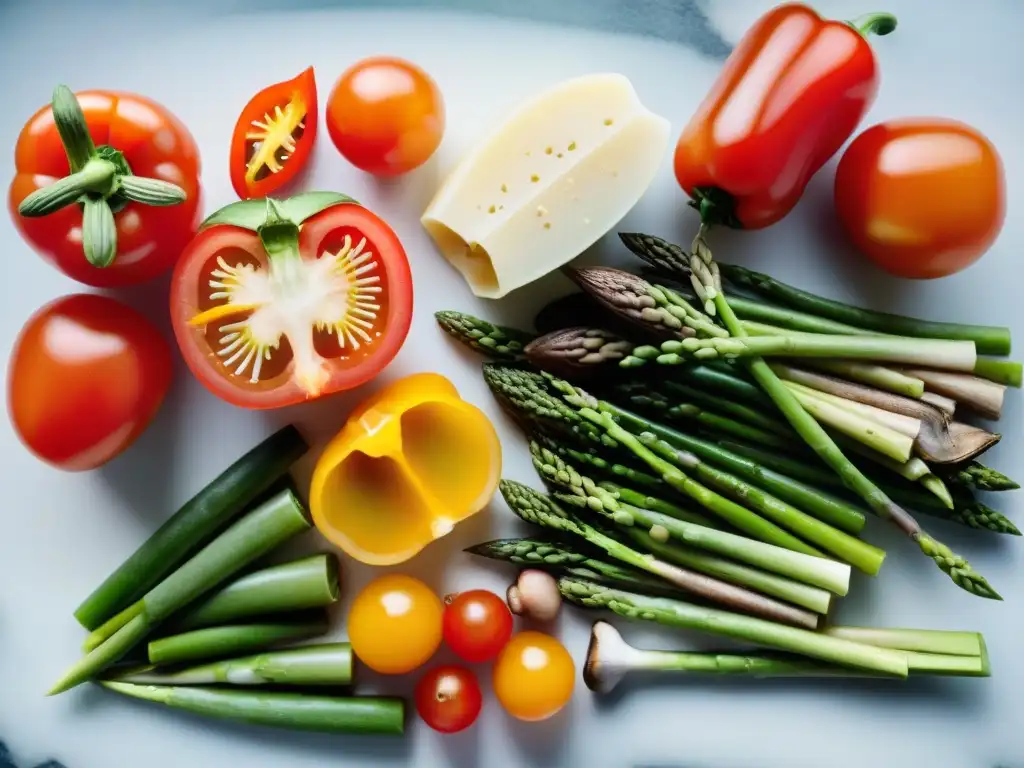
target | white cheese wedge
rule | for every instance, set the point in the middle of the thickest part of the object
(553, 179)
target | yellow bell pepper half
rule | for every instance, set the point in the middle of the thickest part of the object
(411, 461)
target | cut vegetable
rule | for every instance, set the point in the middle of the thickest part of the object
(193, 525)
(555, 177)
(232, 640)
(311, 665)
(298, 711)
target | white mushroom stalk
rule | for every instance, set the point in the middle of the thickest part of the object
(290, 299)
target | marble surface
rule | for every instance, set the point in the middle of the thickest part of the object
(203, 59)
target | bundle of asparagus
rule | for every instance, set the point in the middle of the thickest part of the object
(200, 623)
(738, 435)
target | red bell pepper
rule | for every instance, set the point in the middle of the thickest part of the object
(789, 96)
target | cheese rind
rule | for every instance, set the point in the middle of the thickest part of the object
(553, 179)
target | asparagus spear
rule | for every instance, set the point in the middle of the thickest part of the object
(198, 521)
(981, 396)
(936, 641)
(676, 613)
(535, 508)
(297, 711)
(610, 658)
(613, 468)
(529, 394)
(990, 340)
(816, 571)
(966, 510)
(562, 557)
(887, 379)
(311, 665)
(708, 286)
(978, 476)
(496, 341)
(272, 523)
(233, 639)
(579, 349)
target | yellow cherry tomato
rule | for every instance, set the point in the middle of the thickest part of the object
(394, 624)
(534, 676)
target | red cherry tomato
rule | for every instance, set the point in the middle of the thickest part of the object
(477, 625)
(448, 699)
(385, 115)
(922, 198)
(155, 144)
(86, 376)
(274, 136)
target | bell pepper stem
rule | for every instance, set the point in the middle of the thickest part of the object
(878, 23)
(72, 127)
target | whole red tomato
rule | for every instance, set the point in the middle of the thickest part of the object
(448, 699)
(922, 198)
(385, 115)
(85, 378)
(477, 625)
(138, 172)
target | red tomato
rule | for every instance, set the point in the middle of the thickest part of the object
(155, 144)
(324, 310)
(385, 115)
(273, 136)
(448, 699)
(86, 376)
(922, 198)
(477, 625)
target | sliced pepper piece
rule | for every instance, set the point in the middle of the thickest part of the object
(411, 462)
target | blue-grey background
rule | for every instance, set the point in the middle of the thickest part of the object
(203, 59)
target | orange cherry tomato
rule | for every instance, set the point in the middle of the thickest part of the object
(533, 676)
(274, 136)
(86, 376)
(921, 198)
(385, 115)
(394, 624)
(154, 144)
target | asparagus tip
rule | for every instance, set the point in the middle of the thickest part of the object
(957, 568)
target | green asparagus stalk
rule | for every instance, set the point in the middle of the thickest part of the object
(310, 582)
(564, 558)
(233, 639)
(1007, 372)
(496, 341)
(748, 414)
(708, 286)
(966, 510)
(594, 461)
(934, 353)
(676, 613)
(311, 665)
(196, 523)
(990, 340)
(887, 379)
(610, 659)
(553, 468)
(980, 477)
(529, 394)
(296, 711)
(272, 523)
(937, 641)
(534, 508)
(646, 397)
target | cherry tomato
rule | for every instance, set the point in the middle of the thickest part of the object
(477, 625)
(922, 198)
(86, 376)
(154, 144)
(385, 115)
(322, 306)
(533, 676)
(448, 699)
(274, 136)
(394, 624)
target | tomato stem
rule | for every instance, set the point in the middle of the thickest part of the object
(72, 127)
(279, 236)
(879, 23)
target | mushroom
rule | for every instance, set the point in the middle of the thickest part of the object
(535, 594)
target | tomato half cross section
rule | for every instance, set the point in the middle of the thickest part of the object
(278, 302)
(274, 136)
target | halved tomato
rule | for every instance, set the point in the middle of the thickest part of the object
(274, 136)
(277, 302)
